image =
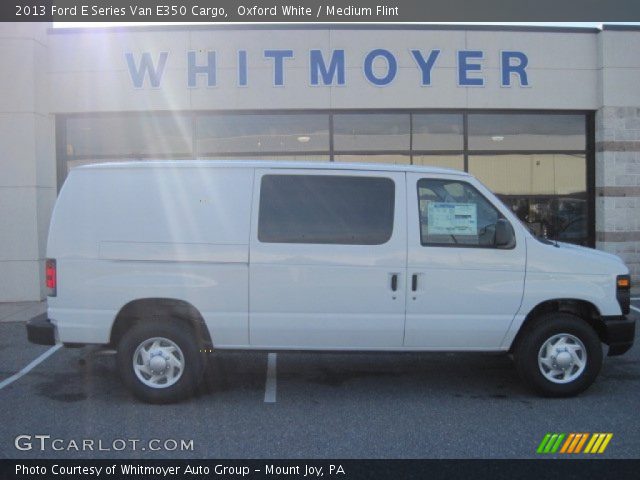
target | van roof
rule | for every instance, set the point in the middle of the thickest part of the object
(270, 164)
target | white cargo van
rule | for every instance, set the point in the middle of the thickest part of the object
(166, 260)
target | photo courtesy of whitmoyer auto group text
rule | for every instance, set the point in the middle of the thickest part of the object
(331, 239)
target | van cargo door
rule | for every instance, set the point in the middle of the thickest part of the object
(327, 259)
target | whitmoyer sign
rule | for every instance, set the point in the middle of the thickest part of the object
(379, 67)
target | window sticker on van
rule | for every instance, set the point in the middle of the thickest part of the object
(452, 218)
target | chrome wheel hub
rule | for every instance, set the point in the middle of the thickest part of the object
(158, 362)
(562, 358)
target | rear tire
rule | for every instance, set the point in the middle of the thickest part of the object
(558, 355)
(160, 362)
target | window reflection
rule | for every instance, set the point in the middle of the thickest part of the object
(371, 131)
(228, 133)
(493, 131)
(391, 159)
(437, 131)
(469, 218)
(455, 162)
(548, 192)
(300, 157)
(129, 135)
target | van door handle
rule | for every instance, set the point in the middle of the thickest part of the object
(394, 282)
(414, 282)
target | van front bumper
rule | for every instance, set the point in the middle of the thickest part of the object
(41, 331)
(619, 333)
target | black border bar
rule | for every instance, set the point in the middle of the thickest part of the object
(353, 469)
(310, 11)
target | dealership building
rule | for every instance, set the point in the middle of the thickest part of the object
(548, 118)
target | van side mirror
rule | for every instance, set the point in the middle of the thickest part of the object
(505, 236)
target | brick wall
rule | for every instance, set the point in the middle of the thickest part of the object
(618, 184)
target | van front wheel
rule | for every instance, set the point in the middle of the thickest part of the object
(558, 355)
(159, 362)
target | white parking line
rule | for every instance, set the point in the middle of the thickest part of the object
(635, 308)
(635, 298)
(31, 366)
(270, 386)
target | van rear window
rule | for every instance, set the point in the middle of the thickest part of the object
(327, 209)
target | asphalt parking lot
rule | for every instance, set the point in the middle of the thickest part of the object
(314, 406)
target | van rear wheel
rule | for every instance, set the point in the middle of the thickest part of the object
(558, 355)
(159, 361)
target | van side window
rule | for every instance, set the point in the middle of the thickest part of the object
(454, 213)
(326, 209)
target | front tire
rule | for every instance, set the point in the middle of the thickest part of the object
(558, 355)
(159, 362)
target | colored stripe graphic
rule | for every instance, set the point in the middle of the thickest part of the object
(574, 442)
(603, 447)
(543, 443)
(598, 442)
(555, 447)
(551, 443)
(581, 443)
(567, 443)
(594, 437)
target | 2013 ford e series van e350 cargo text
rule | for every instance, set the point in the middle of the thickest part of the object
(164, 260)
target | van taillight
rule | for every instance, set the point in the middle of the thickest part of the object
(51, 277)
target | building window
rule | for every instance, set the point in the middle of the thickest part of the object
(230, 133)
(371, 132)
(437, 131)
(326, 209)
(289, 157)
(510, 131)
(128, 135)
(383, 158)
(537, 162)
(456, 162)
(548, 192)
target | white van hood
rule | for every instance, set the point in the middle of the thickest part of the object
(590, 251)
(569, 258)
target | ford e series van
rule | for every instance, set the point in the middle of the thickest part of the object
(165, 261)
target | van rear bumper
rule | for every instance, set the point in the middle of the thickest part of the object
(619, 333)
(41, 331)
